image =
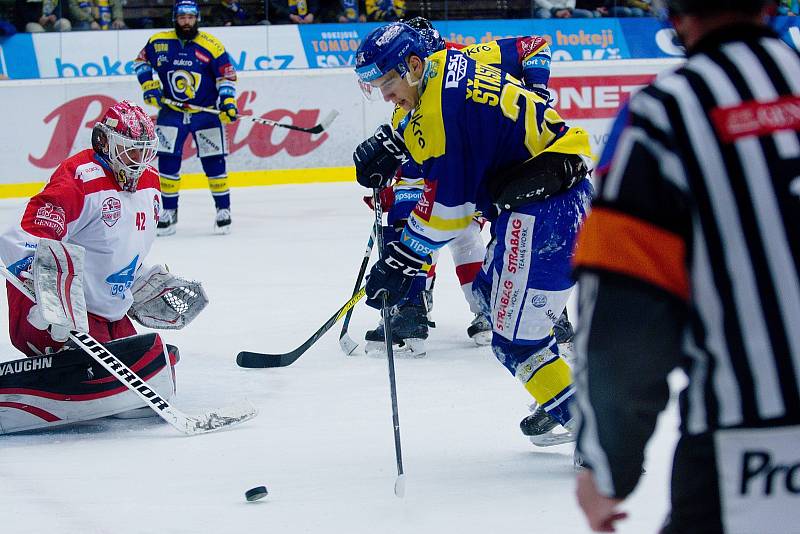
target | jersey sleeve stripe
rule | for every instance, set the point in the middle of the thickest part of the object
(622, 244)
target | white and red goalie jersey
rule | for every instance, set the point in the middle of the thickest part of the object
(82, 204)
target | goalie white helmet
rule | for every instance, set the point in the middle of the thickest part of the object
(125, 138)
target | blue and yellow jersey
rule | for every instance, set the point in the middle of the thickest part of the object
(194, 72)
(525, 58)
(472, 122)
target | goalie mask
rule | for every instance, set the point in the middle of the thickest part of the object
(125, 139)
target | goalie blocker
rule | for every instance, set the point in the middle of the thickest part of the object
(69, 386)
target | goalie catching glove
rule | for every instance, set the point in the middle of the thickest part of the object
(164, 301)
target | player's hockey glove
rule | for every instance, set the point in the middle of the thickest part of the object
(378, 158)
(152, 93)
(229, 110)
(393, 275)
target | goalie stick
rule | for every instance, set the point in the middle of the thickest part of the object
(189, 425)
(258, 360)
(345, 341)
(323, 125)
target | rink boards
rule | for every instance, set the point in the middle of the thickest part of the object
(59, 115)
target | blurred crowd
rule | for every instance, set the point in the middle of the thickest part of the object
(71, 15)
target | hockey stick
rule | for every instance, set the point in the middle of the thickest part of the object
(323, 125)
(345, 341)
(400, 481)
(189, 425)
(258, 360)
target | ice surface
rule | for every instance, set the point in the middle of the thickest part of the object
(323, 442)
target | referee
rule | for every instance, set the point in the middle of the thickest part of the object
(689, 260)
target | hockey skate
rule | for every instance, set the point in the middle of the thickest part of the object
(167, 222)
(543, 430)
(480, 330)
(222, 224)
(409, 331)
(563, 330)
(564, 334)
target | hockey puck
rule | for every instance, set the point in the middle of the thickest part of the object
(256, 493)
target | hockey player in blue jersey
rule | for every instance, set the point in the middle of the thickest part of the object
(191, 67)
(483, 141)
(526, 58)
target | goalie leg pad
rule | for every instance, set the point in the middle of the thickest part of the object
(58, 284)
(163, 300)
(70, 386)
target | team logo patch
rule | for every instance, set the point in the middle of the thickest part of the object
(539, 300)
(111, 211)
(121, 280)
(201, 56)
(425, 203)
(388, 35)
(183, 84)
(456, 70)
(228, 72)
(22, 265)
(527, 46)
(52, 217)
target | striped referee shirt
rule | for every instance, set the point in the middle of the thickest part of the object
(699, 199)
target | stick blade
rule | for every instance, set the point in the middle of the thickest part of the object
(329, 118)
(400, 486)
(259, 360)
(347, 344)
(324, 123)
(221, 418)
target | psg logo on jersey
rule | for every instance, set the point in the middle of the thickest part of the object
(111, 211)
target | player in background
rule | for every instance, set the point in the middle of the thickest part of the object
(482, 140)
(190, 67)
(526, 58)
(80, 247)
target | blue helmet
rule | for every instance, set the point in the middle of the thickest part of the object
(385, 49)
(185, 7)
(430, 35)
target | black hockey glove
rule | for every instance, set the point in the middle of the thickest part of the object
(393, 274)
(378, 158)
